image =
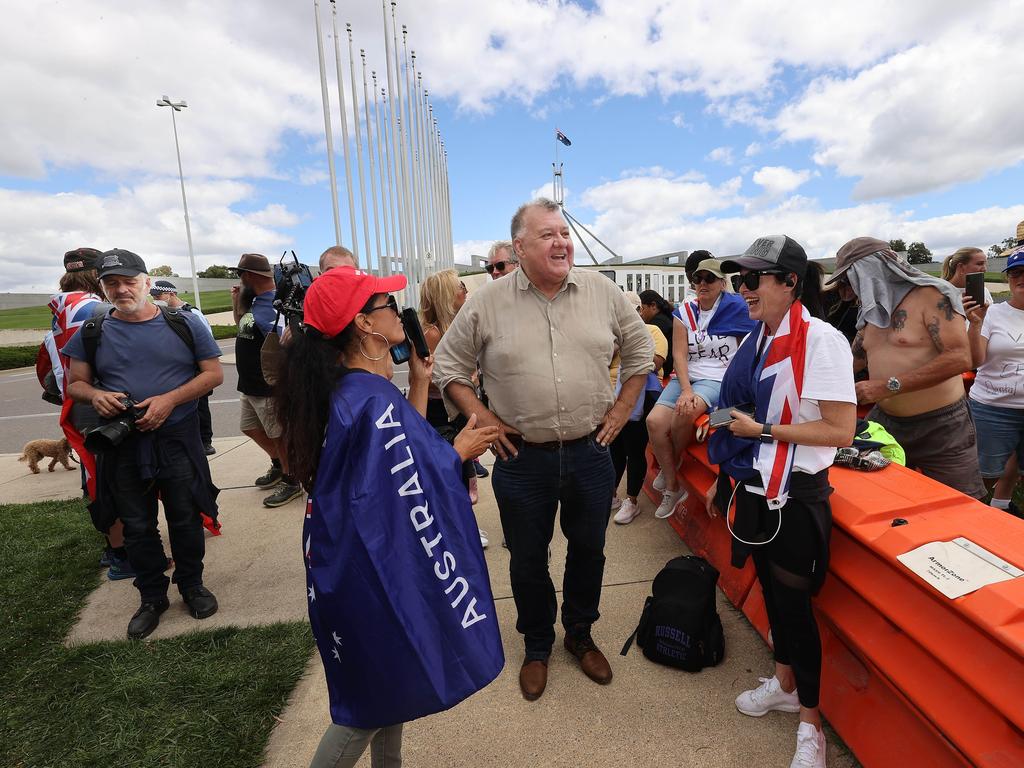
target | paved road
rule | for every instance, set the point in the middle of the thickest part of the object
(24, 416)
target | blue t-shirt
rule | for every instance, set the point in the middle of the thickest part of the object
(147, 358)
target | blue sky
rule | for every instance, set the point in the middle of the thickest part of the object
(694, 124)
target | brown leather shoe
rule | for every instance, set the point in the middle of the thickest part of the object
(592, 661)
(533, 678)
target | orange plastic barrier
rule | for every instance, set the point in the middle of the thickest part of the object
(909, 677)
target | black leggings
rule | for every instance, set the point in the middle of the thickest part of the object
(784, 569)
(629, 449)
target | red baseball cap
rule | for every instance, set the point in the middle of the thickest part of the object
(338, 295)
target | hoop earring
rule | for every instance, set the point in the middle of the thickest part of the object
(364, 338)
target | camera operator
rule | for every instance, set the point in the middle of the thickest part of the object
(253, 304)
(138, 356)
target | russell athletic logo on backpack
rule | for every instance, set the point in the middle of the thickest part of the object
(679, 626)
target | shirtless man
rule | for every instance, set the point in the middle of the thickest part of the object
(913, 340)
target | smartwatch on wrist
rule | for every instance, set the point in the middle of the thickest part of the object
(766, 433)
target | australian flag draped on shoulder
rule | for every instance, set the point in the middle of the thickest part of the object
(772, 379)
(398, 592)
(731, 316)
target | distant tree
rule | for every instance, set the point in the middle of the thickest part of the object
(163, 270)
(918, 253)
(217, 270)
(898, 245)
(995, 250)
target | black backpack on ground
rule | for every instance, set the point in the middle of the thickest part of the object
(679, 626)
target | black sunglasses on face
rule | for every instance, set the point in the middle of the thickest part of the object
(752, 279)
(391, 303)
(498, 265)
(707, 278)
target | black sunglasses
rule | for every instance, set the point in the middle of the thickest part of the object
(391, 303)
(708, 278)
(498, 265)
(752, 279)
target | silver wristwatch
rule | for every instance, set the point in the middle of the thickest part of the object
(893, 384)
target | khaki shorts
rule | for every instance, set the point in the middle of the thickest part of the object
(258, 413)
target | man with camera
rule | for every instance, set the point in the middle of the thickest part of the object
(253, 304)
(142, 368)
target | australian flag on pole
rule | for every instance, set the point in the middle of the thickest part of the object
(562, 138)
(397, 586)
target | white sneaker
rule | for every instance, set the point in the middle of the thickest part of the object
(629, 510)
(659, 481)
(767, 697)
(810, 748)
(616, 503)
(484, 541)
(669, 500)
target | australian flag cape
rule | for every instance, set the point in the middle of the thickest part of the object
(731, 317)
(397, 586)
(771, 379)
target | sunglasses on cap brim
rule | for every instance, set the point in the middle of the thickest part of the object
(752, 280)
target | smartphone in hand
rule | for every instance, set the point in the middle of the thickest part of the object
(723, 416)
(414, 339)
(975, 288)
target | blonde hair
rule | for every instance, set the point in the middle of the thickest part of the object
(437, 299)
(961, 256)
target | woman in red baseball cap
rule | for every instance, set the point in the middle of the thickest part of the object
(398, 591)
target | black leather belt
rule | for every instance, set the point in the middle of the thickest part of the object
(554, 445)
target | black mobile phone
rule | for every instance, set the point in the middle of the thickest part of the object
(975, 288)
(414, 339)
(723, 416)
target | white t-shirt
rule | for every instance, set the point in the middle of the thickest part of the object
(999, 380)
(708, 356)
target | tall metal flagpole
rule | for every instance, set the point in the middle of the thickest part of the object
(359, 149)
(410, 129)
(447, 202)
(438, 190)
(381, 171)
(430, 257)
(434, 178)
(428, 229)
(369, 156)
(410, 257)
(391, 202)
(344, 132)
(405, 253)
(327, 124)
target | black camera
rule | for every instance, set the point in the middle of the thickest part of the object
(292, 281)
(113, 431)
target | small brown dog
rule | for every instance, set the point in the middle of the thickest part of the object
(55, 450)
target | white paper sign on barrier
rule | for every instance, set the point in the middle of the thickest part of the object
(958, 567)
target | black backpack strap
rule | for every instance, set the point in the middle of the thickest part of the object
(176, 322)
(91, 330)
(643, 618)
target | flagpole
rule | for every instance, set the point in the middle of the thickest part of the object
(386, 256)
(344, 132)
(392, 198)
(369, 156)
(327, 124)
(401, 120)
(359, 148)
(410, 129)
(428, 217)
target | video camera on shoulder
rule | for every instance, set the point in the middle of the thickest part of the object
(292, 280)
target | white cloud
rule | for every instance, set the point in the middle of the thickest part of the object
(36, 228)
(754, 148)
(721, 155)
(547, 190)
(678, 120)
(779, 180)
(465, 249)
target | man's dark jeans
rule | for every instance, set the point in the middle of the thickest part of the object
(136, 503)
(529, 489)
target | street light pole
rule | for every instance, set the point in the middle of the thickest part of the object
(177, 107)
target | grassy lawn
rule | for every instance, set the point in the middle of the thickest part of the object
(39, 317)
(206, 698)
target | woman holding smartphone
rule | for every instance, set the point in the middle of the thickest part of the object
(397, 588)
(797, 371)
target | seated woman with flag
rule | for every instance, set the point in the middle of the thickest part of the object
(398, 590)
(790, 385)
(706, 333)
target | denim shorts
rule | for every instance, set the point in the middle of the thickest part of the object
(1000, 435)
(706, 389)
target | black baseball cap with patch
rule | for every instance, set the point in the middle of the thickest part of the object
(81, 259)
(774, 252)
(119, 262)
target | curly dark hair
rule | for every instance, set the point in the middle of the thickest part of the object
(309, 372)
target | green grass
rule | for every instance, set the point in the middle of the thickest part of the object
(206, 698)
(27, 318)
(995, 277)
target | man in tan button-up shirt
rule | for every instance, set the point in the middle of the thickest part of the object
(544, 337)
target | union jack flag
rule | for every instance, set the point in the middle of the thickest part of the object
(780, 382)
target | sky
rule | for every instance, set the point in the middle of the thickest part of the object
(694, 123)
